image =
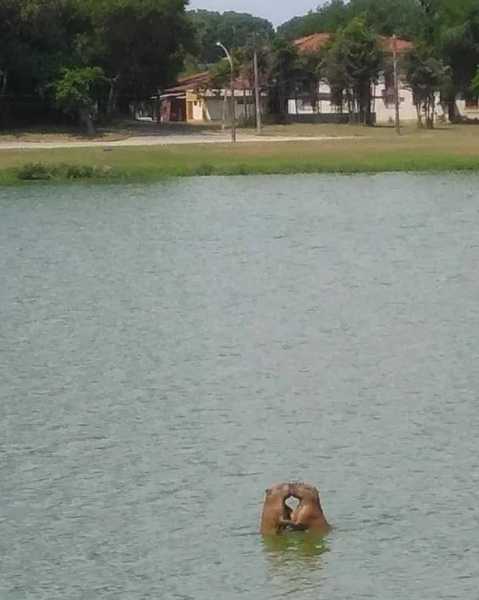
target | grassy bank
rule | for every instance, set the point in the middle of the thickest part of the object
(372, 150)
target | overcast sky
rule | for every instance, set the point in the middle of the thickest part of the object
(277, 11)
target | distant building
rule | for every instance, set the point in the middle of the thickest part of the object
(195, 99)
(303, 108)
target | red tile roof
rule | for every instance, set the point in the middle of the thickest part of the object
(387, 44)
(312, 43)
(315, 42)
(203, 81)
(192, 82)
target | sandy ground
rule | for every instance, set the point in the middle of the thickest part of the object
(158, 140)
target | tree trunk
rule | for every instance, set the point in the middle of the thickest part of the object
(3, 100)
(87, 121)
(430, 113)
(223, 116)
(419, 116)
(452, 110)
(112, 97)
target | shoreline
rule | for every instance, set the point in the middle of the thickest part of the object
(58, 176)
(377, 151)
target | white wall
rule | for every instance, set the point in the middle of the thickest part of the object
(198, 110)
(385, 111)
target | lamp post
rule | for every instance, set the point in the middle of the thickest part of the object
(233, 116)
(257, 93)
(396, 86)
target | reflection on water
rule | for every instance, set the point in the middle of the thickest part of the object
(292, 558)
(296, 545)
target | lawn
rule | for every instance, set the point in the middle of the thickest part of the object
(371, 150)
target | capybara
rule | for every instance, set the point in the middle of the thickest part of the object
(309, 513)
(276, 514)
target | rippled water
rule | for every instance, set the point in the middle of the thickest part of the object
(168, 351)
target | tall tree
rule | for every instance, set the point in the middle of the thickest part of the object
(77, 93)
(459, 47)
(38, 39)
(140, 44)
(354, 62)
(426, 74)
(404, 18)
(232, 29)
(283, 74)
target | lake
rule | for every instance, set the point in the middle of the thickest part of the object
(170, 350)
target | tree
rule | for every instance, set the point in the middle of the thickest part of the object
(140, 44)
(283, 73)
(234, 30)
(310, 70)
(459, 48)
(426, 75)
(329, 17)
(404, 18)
(38, 39)
(475, 85)
(77, 93)
(353, 65)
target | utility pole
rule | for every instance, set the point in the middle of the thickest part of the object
(257, 93)
(396, 85)
(232, 86)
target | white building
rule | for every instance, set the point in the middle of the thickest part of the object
(302, 108)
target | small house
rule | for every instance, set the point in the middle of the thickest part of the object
(195, 99)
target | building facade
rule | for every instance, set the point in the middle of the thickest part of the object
(195, 99)
(303, 108)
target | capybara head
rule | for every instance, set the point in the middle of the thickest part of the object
(280, 490)
(304, 491)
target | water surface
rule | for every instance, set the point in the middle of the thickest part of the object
(168, 351)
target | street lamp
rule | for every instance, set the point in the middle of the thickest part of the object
(233, 116)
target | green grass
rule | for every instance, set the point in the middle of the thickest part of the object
(378, 150)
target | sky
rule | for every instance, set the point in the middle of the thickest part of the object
(277, 11)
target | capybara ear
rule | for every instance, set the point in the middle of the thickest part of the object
(267, 491)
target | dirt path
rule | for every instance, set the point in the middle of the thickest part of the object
(165, 141)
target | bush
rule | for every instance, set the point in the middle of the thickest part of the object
(79, 171)
(204, 170)
(42, 172)
(34, 172)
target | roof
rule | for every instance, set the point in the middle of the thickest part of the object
(203, 80)
(387, 44)
(192, 82)
(313, 43)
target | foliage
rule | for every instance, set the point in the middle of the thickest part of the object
(221, 71)
(352, 65)
(38, 39)
(475, 85)
(405, 18)
(426, 74)
(77, 92)
(459, 47)
(283, 72)
(234, 30)
(34, 172)
(140, 44)
(310, 71)
(38, 171)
